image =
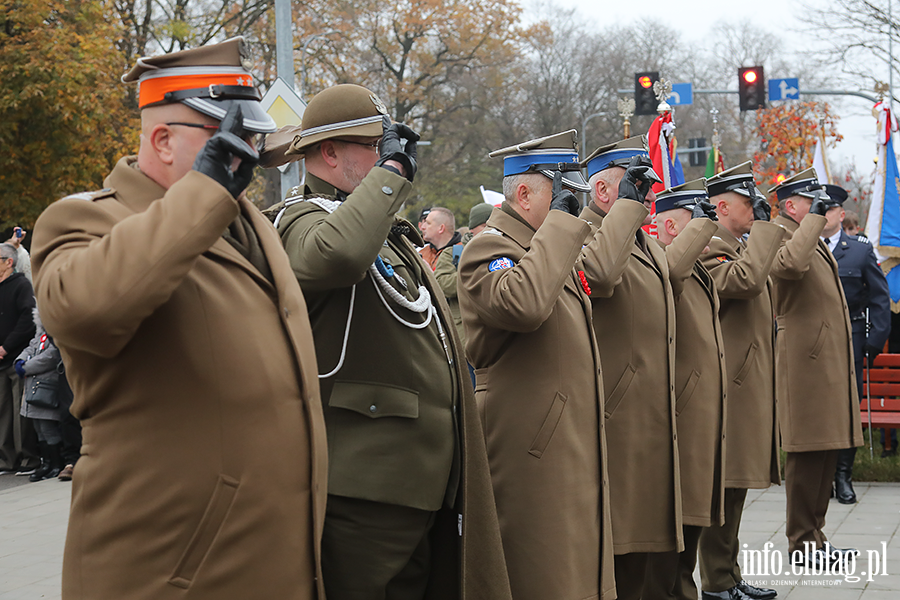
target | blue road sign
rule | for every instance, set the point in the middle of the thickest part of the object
(784, 89)
(682, 94)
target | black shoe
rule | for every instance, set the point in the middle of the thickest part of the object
(887, 453)
(839, 554)
(843, 475)
(755, 592)
(813, 560)
(21, 471)
(730, 594)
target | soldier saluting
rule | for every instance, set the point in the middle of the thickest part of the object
(410, 512)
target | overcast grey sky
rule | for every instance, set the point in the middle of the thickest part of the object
(695, 19)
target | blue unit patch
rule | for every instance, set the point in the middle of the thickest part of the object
(501, 263)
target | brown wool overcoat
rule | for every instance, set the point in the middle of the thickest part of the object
(203, 468)
(817, 397)
(634, 320)
(699, 381)
(539, 391)
(741, 275)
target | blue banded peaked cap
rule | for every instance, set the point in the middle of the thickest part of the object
(624, 150)
(686, 195)
(546, 156)
(797, 185)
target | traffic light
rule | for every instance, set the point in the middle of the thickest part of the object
(751, 88)
(645, 101)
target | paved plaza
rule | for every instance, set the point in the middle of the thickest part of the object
(33, 520)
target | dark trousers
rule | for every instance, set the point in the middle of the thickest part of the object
(70, 426)
(719, 546)
(375, 551)
(18, 439)
(807, 483)
(670, 575)
(631, 570)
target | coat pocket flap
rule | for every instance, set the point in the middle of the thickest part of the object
(375, 400)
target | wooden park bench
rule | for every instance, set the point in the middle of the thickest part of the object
(884, 384)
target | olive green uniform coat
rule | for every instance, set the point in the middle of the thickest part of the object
(203, 468)
(741, 276)
(699, 381)
(540, 394)
(446, 274)
(401, 418)
(818, 399)
(634, 320)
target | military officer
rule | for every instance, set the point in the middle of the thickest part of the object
(186, 339)
(741, 273)
(869, 304)
(634, 321)
(407, 464)
(818, 408)
(526, 310)
(683, 212)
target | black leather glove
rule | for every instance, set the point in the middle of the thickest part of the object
(638, 179)
(761, 209)
(391, 147)
(704, 210)
(216, 157)
(563, 200)
(819, 205)
(872, 352)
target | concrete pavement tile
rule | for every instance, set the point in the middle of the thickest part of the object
(873, 594)
(813, 590)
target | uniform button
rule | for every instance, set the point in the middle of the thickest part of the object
(373, 409)
(287, 312)
(387, 189)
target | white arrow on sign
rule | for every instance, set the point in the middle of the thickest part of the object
(676, 97)
(785, 90)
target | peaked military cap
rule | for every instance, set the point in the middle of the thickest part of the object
(547, 156)
(209, 79)
(737, 179)
(837, 194)
(617, 154)
(804, 183)
(686, 195)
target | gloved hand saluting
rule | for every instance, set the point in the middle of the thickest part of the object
(820, 203)
(217, 156)
(704, 210)
(638, 178)
(761, 209)
(563, 200)
(391, 147)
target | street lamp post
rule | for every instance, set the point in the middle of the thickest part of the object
(303, 59)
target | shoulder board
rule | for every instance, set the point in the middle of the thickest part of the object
(863, 239)
(92, 196)
(492, 231)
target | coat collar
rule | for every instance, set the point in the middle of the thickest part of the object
(137, 192)
(515, 228)
(788, 223)
(726, 236)
(843, 244)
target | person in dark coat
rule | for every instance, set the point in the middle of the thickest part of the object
(869, 305)
(18, 442)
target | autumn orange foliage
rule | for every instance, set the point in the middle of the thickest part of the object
(788, 134)
(64, 120)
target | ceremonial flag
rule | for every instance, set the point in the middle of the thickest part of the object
(819, 162)
(491, 197)
(883, 223)
(714, 163)
(663, 146)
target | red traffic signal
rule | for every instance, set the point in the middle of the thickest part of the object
(645, 101)
(751, 92)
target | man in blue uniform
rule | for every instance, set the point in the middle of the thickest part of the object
(867, 296)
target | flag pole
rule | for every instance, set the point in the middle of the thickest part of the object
(869, 392)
